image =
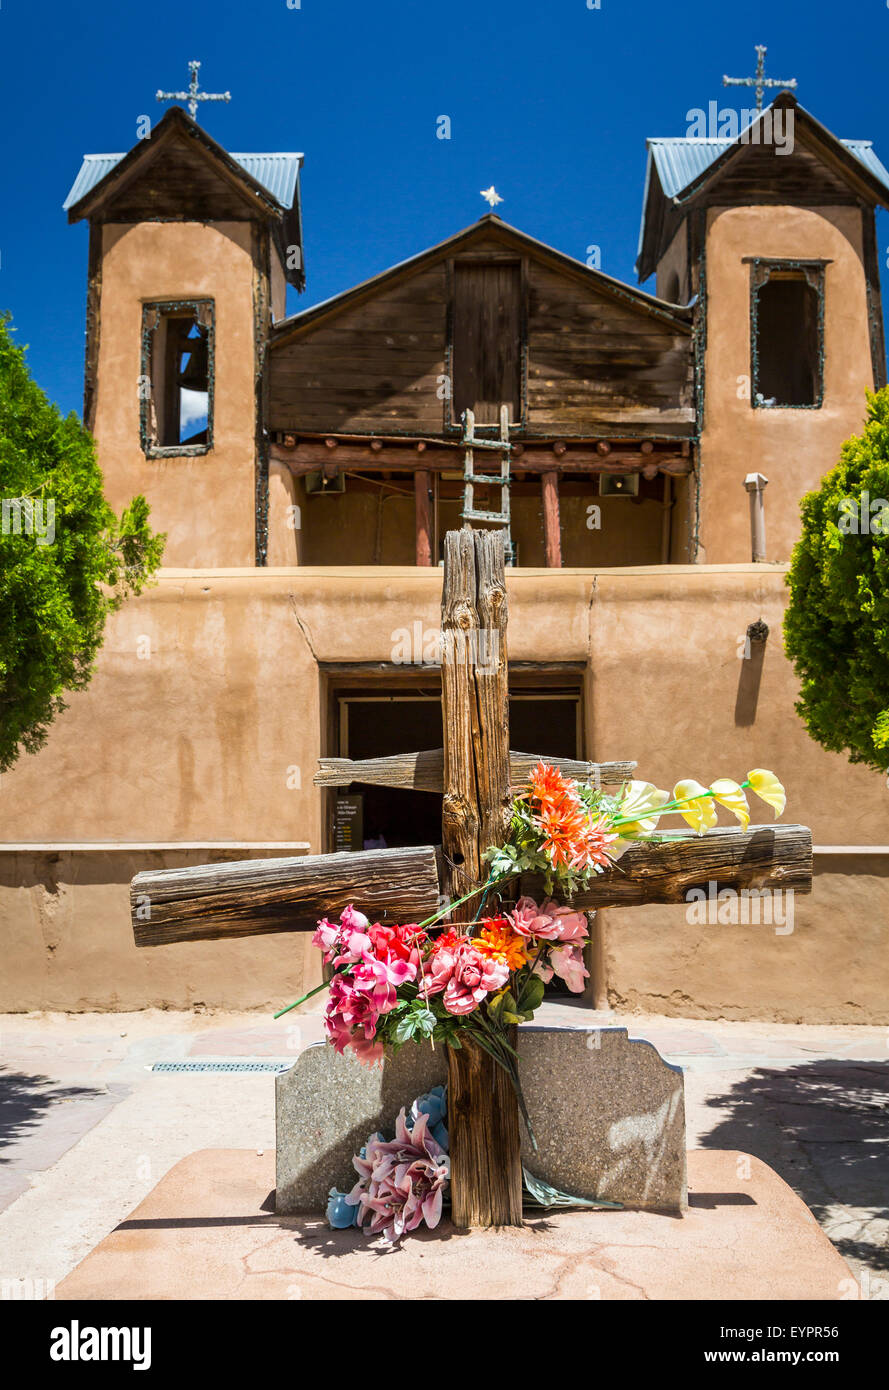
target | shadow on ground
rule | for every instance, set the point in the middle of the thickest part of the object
(25, 1101)
(822, 1126)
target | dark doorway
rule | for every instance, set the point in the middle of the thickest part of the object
(370, 720)
(377, 723)
(376, 726)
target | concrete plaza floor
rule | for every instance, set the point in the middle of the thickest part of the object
(88, 1127)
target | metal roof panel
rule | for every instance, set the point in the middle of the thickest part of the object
(681, 160)
(278, 174)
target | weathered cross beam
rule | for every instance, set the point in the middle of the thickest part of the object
(211, 902)
(424, 772)
(475, 771)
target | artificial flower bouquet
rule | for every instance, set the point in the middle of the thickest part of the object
(568, 831)
(474, 981)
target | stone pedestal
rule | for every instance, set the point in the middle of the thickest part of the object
(608, 1113)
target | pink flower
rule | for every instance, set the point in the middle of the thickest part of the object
(326, 937)
(530, 920)
(352, 920)
(570, 925)
(348, 937)
(549, 922)
(400, 1183)
(567, 962)
(349, 1012)
(459, 970)
(379, 980)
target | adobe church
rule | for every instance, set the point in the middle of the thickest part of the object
(648, 453)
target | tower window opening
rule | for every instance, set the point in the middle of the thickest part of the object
(787, 336)
(176, 386)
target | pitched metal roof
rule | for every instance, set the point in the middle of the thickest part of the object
(681, 160)
(278, 174)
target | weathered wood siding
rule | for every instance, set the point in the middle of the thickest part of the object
(179, 184)
(373, 367)
(758, 174)
(590, 362)
(593, 360)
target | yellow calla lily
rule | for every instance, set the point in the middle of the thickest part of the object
(768, 788)
(730, 795)
(642, 800)
(698, 809)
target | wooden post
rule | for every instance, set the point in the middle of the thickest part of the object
(483, 1118)
(423, 516)
(552, 539)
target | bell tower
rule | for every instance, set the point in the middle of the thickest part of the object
(770, 232)
(190, 250)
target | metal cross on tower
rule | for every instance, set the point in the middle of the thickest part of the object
(760, 81)
(193, 96)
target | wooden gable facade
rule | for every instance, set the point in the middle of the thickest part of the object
(574, 353)
(597, 379)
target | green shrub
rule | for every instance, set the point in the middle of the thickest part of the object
(65, 560)
(836, 630)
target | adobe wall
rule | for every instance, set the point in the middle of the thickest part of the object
(203, 503)
(794, 448)
(204, 720)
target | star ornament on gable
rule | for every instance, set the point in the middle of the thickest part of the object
(491, 197)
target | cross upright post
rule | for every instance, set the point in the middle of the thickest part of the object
(485, 1147)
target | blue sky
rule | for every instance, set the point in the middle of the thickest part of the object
(551, 101)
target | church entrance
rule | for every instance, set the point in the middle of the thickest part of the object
(372, 717)
(383, 711)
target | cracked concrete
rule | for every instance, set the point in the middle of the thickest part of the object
(745, 1240)
(87, 1129)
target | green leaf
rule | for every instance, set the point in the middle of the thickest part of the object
(531, 996)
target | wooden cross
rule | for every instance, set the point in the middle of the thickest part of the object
(193, 96)
(477, 773)
(760, 81)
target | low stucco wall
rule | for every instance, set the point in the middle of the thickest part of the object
(68, 945)
(826, 963)
(205, 719)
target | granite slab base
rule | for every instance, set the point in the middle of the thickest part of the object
(608, 1114)
(208, 1230)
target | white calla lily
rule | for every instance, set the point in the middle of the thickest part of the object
(730, 795)
(697, 808)
(768, 789)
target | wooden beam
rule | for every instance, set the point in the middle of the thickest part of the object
(765, 856)
(552, 530)
(425, 771)
(483, 1119)
(423, 516)
(250, 897)
(308, 457)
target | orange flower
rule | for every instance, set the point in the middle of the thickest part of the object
(549, 787)
(564, 829)
(498, 939)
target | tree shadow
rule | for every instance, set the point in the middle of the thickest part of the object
(24, 1102)
(822, 1126)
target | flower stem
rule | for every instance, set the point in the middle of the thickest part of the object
(436, 917)
(302, 1000)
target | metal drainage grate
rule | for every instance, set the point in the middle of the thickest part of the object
(221, 1066)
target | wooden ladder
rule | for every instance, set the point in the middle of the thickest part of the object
(472, 480)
